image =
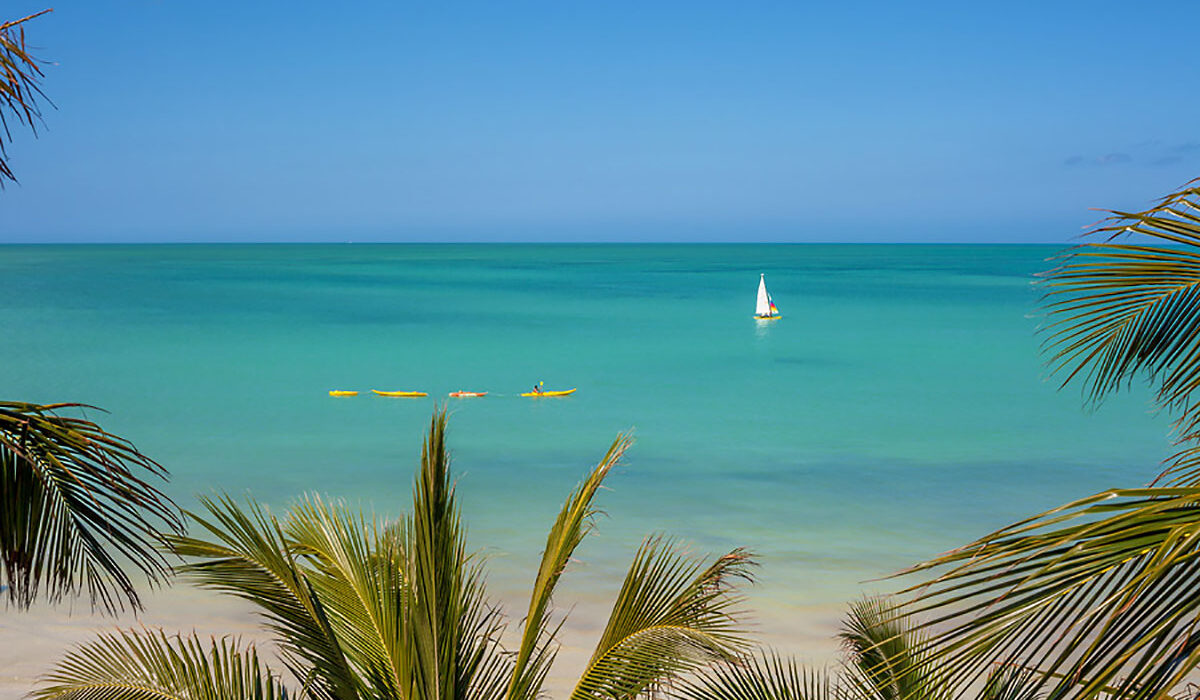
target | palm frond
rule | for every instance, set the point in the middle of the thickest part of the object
(149, 665)
(673, 615)
(887, 658)
(454, 631)
(20, 94)
(249, 557)
(761, 676)
(356, 569)
(74, 502)
(535, 653)
(1011, 683)
(1100, 595)
(1182, 468)
(1118, 311)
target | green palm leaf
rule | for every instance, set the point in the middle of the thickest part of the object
(149, 665)
(249, 557)
(762, 676)
(1099, 595)
(74, 502)
(19, 91)
(888, 659)
(1118, 311)
(535, 653)
(397, 610)
(674, 614)
(363, 608)
(453, 631)
(1011, 683)
(356, 569)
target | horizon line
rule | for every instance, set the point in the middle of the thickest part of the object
(522, 243)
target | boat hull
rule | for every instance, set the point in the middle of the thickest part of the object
(343, 393)
(540, 394)
(768, 318)
(400, 394)
(467, 394)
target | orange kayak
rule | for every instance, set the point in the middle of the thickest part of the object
(466, 394)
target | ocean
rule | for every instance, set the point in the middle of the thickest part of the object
(899, 408)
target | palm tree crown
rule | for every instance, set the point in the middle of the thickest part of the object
(366, 608)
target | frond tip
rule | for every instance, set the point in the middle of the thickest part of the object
(574, 522)
(674, 614)
(150, 665)
(20, 93)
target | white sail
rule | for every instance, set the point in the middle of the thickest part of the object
(763, 307)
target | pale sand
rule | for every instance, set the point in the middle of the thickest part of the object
(31, 642)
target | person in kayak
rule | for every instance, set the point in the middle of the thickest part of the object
(537, 388)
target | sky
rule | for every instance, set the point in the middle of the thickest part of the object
(601, 121)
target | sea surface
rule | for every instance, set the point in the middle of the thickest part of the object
(899, 408)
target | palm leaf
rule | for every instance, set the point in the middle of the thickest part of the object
(360, 571)
(535, 653)
(452, 630)
(249, 557)
(1011, 683)
(1100, 595)
(1118, 311)
(74, 502)
(363, 608)
(887, 658)
(149, 665)
(761, 676)
(20, 74)
(673, 615)
(355, 568)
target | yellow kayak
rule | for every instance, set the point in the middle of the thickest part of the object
(536, 394)
(343, 393)
(404, 394)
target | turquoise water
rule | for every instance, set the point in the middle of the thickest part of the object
(898, 408)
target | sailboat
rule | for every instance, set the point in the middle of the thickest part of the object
(765, 308)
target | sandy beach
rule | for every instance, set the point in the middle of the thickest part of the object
(32, 641)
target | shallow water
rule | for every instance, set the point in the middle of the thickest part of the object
(896, 410)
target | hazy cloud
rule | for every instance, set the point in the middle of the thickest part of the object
(1152, 152)
(1106, 159)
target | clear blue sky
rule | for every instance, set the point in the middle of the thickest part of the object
(791, 121)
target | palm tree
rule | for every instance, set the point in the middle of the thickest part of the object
(366, 608)
(1101, 595)
(19, 91)
(74, 503)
